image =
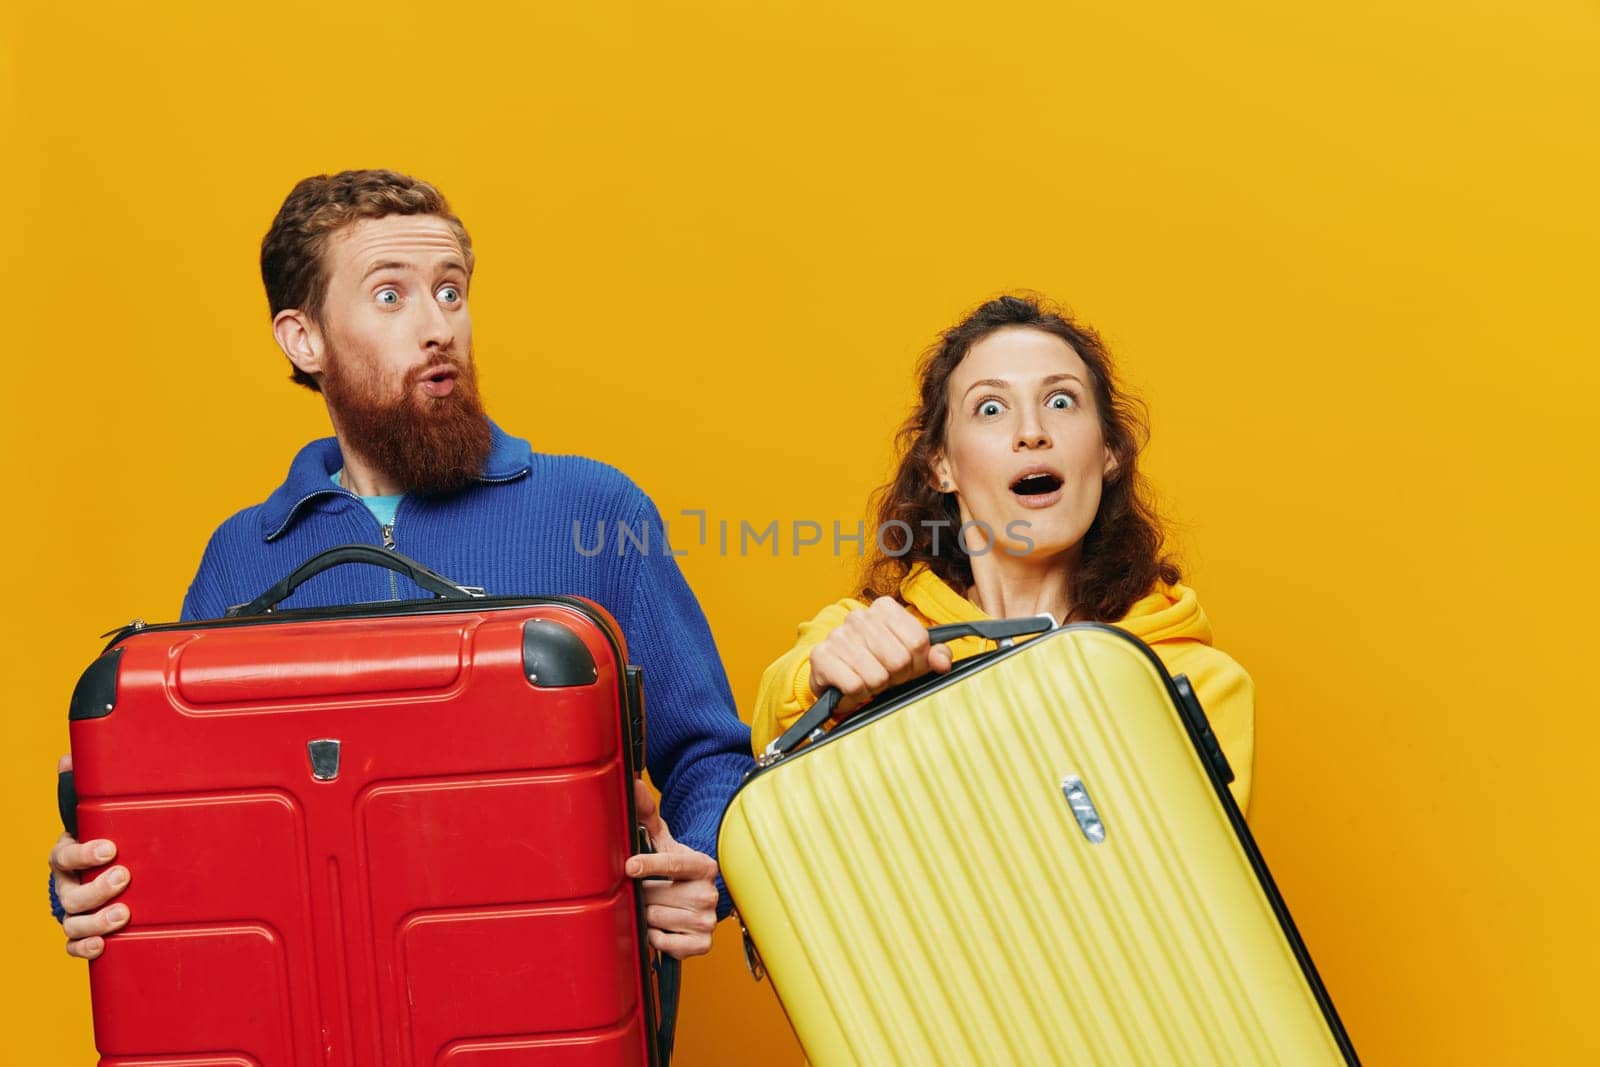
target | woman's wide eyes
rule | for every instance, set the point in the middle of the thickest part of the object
(1056, 401)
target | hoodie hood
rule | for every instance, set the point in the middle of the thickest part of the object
(1167, 613)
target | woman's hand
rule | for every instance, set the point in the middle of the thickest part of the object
(871, 651)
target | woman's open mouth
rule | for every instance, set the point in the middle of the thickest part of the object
(1037, 489)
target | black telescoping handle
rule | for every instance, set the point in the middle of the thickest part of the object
(669, 984)
(667, 970)
(67, 802)
(988, 629)
(432, 581)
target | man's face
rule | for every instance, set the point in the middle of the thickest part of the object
(396, 303)
(397, 365)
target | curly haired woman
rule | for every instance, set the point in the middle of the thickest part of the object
(1018, 494)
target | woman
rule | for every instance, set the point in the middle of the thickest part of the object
(1018, 494)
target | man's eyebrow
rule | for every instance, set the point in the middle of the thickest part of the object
(388, 264)
(451, 263)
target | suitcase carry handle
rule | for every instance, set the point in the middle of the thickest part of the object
(432, 581)
(1002, 630)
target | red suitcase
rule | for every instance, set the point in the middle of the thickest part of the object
(385, 834)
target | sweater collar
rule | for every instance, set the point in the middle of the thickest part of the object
(314, 465)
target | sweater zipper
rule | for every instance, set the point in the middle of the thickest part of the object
(388, 544)
(387, 529)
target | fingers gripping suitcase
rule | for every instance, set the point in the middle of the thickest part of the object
(1031, 860)
(386, 834)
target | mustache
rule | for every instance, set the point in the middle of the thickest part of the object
(451, 359)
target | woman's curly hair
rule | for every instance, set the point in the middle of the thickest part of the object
(1122, 555)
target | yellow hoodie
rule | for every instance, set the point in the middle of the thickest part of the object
(1169, 620)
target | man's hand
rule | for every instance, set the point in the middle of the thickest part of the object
(682, 911)
(90, 915)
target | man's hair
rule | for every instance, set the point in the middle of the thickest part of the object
(292, 266)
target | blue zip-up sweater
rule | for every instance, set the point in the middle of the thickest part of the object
(513, 535)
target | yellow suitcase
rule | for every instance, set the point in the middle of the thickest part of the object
(1034, 859)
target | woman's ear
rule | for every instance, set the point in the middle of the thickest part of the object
(942, 482)
(1111, 464)
(300, 340)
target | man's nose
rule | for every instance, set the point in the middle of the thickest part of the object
(438, 332)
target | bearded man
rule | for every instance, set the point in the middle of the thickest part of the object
(367, 276)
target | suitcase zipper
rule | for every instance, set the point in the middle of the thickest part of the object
(122, 631)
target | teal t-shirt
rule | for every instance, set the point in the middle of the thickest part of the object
(382, 507)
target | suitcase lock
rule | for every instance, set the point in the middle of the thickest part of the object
(752, 956)
(1083, 809)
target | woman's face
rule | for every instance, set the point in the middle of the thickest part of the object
(1023, 449)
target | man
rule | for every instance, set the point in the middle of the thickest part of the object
(367, 275)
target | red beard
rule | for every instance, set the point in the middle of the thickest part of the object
(430, 446)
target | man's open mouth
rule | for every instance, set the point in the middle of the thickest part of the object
(440, 381)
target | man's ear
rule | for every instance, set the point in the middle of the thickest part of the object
(300, 340)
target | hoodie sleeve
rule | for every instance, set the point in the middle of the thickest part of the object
(785, 690)
(1228, 696)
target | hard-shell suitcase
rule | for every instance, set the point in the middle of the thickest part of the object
(388, 834)
(1034, 859)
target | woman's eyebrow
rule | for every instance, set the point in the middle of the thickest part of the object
(1063, 377)
(997, 383)
(993, 383)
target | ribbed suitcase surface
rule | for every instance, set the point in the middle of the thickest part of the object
(920, 889)
(394, 840)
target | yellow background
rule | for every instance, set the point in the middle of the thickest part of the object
(1347, 250)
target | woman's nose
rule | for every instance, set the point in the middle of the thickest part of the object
(1031, 434)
